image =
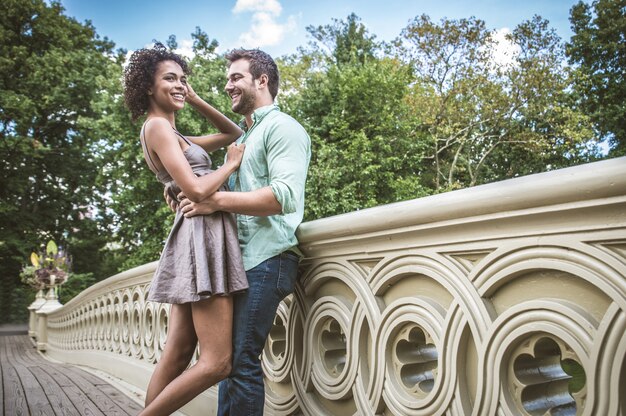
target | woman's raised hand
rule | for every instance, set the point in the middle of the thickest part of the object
(191, 94)
(234, 154)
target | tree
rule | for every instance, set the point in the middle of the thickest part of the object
(352, 103)
(344, 41)
(485, 118)
(598, 47)
(48, 64)
(450, 62)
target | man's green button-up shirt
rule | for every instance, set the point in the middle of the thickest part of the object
(278, 151)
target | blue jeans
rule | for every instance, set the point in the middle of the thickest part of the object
(243, 393)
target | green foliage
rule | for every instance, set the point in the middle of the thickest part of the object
(93, 250)
(577, 373)
(486, 119)
(48, 64)
(598, 47)
(28, 276)
(203, 45)
(74, 285)
(433, 111)
(437, 110)
(364, 152)
(17, 308)
(344, 41)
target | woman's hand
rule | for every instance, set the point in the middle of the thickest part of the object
(191, 94)
(234, 154)
(228, 130)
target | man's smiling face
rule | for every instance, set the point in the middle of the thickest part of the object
(241, 87)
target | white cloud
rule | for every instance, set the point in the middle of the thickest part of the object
(265, 28)
(185, 48)
(503, 52)
(266, 31)
(269, 6)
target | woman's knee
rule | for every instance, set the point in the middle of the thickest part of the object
(179, 358)
(218, 368)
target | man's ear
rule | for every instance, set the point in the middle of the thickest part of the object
(262, 81)
(149, 91)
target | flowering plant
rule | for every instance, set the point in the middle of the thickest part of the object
(49, 267)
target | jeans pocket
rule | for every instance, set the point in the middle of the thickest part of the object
(287, 273)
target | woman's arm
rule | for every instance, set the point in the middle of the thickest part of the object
(229, 131)
(161, 139)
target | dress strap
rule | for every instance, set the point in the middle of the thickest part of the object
(142, 139)
(181, 136)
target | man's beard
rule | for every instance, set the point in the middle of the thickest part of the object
(245, 104)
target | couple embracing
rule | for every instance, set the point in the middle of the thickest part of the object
(232, 255)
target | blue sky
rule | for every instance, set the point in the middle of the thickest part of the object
(279, 26)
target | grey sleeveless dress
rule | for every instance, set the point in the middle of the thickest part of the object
(201, 257)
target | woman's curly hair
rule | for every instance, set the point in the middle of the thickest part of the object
(139, 76)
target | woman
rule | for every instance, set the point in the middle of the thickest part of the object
(201, 262)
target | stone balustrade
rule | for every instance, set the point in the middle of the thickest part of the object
(502, 299)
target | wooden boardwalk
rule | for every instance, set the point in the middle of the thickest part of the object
(32, 385)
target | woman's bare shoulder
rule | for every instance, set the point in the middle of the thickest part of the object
(157, 123)
(157, 126)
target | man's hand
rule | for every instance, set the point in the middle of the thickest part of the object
(206, 207)
(172, 203)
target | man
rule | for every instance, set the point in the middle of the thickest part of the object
(268, 198)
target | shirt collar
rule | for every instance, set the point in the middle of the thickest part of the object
(259, 114)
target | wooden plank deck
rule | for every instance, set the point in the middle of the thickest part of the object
(32, 385)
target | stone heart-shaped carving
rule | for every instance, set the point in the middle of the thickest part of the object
(333, 346)
(549, 381)
(417, 359)
(277, 339)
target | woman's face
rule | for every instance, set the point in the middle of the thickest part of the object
(169, 89)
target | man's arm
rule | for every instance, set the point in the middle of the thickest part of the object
(288, 152)
(260, 203)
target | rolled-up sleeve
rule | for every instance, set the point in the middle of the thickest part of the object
(288, 153)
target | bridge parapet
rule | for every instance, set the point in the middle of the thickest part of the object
(502, 299)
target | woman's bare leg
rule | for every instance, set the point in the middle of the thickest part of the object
(179, 348)
(212, 321)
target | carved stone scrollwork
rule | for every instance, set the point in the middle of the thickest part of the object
(150, 329)
(284, 346)
(506, 299)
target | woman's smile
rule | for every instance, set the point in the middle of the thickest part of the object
(169, 89)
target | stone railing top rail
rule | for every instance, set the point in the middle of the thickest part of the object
(131, 277)
(598, 180)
